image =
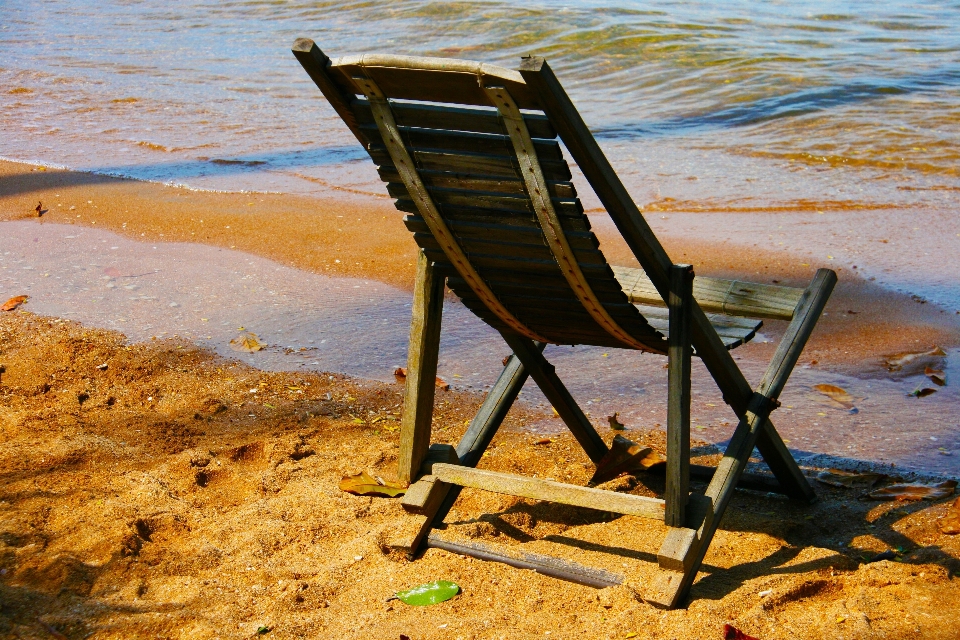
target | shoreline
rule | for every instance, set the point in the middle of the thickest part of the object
(365, 238)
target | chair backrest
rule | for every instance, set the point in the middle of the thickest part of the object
(538, 257)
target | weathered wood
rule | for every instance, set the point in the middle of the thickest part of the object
(317, 66)
(512, 234)
(577, 223)
(476, 163)
(731, 297)
(423, 496)
(428, 209)
(417, 416)
(473, 443)
(671, 587)
(478, 182)
(566, 407)
(429, 116)
(678, 395)
(546, 565)
(537, 489)
(459, 197)
(461, 141)
(434, 79)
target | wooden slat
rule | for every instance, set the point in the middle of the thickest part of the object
(429, 116)
(506, 233)
(512, 250)
(435, 139)
(417, 416)
(731, 297)
(546, 565)
(441, 80)
(731, 330)
(478, 182)
(453, 214)
(478, 163)
(500, 202)
(677, 491)
(536, 489)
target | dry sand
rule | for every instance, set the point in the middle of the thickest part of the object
(163, 497)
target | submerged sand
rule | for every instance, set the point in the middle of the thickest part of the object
(175, 494)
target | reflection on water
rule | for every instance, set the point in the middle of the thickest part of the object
(673, 89)
(312, 322)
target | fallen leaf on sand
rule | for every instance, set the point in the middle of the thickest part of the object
(899, 361)
(543, 441)
(730, 632)
(907, 492)
(923, 393)
(936, 376)
(625, 456)
(837, 394)
(950, 524)
(849, 479)
(614, 421)
(39, 209)
(430, 593)
(362, 484)
(400, 373)
(247, 342)
(13, 303)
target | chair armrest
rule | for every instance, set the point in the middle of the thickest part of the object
(717, 295)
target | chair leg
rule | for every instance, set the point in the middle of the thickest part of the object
(546, 378)
(679, 350)
(684, 548)
(422, 358)
(474, 442)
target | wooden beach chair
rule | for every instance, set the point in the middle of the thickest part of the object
(470, 152)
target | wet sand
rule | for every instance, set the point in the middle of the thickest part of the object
(257, 268)
(175, 494)
(343, 234)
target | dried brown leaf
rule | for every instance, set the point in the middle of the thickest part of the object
(837, 394)
(909, 492)
(615, 423)
(625, 456)
(246, 342)
(936, 376)
(923, 393)
(900, 360)
(362, 484)
(849, 479)
(13, 303)
(400, 373)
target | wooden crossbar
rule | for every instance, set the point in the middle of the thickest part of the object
(732, 297)
(550, 491)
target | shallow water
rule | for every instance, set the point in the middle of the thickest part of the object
(718, 105)
(313, 322)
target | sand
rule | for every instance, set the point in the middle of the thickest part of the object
(177, 494)
(342, 234)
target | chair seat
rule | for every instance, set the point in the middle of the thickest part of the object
(733, 331)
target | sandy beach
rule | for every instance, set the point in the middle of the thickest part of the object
(155, 490)
(176, 493)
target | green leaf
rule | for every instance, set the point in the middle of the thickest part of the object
(430, 593)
